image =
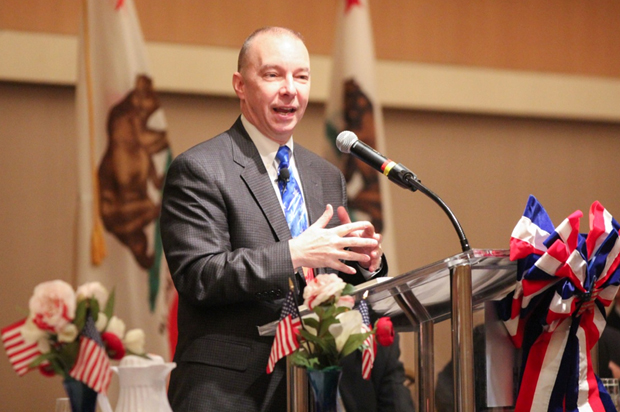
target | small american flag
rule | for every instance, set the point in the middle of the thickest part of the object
(92, 365)
(20, 353)
(285, 341)
(370, 349)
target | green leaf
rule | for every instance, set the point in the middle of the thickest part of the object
(324, 326)
(41, 358)
(329, 312)
(58, 369)
(302, 359)
(312, 322)
(341, 309)
(80, 314)
(354, 342)
(309, 337)
(94, 308)
(68, 353)
(109, 307)
(320, 311)
(349, 289)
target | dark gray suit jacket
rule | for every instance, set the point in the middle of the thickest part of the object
(225, 239)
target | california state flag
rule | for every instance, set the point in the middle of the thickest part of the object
(123, 154)
(353, 105)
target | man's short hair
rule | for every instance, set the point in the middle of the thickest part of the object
(242, 60)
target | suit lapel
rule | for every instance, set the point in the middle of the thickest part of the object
(255, 176)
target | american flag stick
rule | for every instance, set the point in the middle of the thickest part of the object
(293, 289)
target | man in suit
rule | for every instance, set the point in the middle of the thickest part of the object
(229, 246)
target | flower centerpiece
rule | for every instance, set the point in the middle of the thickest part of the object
(73, 334)
(335, 328)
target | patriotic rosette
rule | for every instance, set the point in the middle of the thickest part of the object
(556, 313)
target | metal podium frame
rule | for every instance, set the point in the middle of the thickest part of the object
(450, 288)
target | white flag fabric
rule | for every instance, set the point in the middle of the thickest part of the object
(353, 105)
(123, 154)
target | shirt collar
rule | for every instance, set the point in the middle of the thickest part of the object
(266, 147)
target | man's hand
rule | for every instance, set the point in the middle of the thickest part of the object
(375, 252)
(320, 247)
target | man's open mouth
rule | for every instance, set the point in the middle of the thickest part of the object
(284, 110)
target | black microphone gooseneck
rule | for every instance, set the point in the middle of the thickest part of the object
(347, 142)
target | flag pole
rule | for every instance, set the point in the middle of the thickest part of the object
(296, 379)
(98, 247)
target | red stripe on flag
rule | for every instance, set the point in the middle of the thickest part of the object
(92, 366)
(20, 353)
(285, 341)
(368, 354)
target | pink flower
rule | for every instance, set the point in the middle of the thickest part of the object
(385, 331)
(323, 288)
(114, 345)
(347, 301)
(52, 305)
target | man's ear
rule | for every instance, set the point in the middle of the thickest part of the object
(238, 85)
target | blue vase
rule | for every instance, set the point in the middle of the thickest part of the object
(324, 385)
(81, 397)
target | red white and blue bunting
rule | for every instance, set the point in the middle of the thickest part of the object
(556, 313)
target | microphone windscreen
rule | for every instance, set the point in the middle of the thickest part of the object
(345, 140)
(284, 175)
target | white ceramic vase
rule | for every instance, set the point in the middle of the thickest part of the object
(143, 384)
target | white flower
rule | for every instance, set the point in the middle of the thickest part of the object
(350, 322)
(116, 326)
(322, 288)
(135, 341)
(93, 290)
(52, 305)
(102, 320)
(31, 333)
(43, 345)
(68, 333)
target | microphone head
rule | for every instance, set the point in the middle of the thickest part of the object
(284, 175)
(345, 141)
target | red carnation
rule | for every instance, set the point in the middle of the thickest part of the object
(113, 345)
(385, 331)
(46, 369)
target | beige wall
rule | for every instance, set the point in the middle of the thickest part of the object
(483, 166)
(578, 37)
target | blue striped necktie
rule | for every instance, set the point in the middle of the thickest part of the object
(292, 200)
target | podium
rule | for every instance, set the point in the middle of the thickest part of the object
(448, 289)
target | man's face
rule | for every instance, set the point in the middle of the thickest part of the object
(274, 85)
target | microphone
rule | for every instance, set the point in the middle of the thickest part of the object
(347, 142)
(284, 175)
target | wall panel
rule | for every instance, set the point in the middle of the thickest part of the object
(564, 36)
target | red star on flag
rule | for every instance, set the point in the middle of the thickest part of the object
(350, 4)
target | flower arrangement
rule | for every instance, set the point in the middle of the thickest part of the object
(59, 317)
(335, 329)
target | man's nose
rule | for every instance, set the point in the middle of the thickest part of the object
(289, 85)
